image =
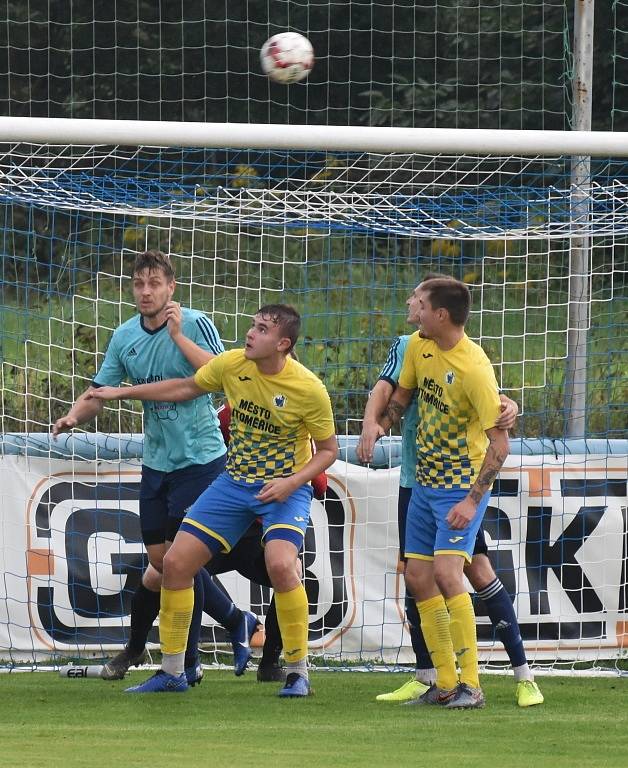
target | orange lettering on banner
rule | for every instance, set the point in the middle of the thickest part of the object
(40, 562)
(539, 480)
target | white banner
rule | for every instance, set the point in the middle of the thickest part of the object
(71, 557)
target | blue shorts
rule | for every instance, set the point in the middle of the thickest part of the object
(427, 532)
(480, 547)
(225, 510)
(165, 497)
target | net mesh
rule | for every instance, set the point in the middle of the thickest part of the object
(345, 236)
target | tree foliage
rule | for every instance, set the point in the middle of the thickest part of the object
(455, 63)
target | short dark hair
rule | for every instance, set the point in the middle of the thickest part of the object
(153, 260)
(286, 317)
(435, 276)
(450, 294)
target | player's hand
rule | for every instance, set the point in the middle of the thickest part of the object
(64, 424)
(105, 393)
(371, 433)
(461, 514)
(174, 318)
(277, 490)
(508, 416)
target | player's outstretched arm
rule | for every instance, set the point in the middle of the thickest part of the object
(461, 514)
(195, 355)
(371, 428)
(83, 410)
(171, 391)
(509, 412)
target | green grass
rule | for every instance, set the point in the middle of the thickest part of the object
(47, 720)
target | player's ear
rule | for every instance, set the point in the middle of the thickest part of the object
(172, 284)
(284, 345)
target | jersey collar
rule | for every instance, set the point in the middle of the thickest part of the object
(150, 331)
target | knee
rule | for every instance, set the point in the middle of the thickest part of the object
(413, 585)
(283, 574)
(448, 580)
(152, 579)
(157, 562)
(175, 567)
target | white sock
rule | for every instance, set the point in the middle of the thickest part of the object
(173, 663)
(300, 667)
(426, 676)
(523, 673)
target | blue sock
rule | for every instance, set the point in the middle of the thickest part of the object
(219, 605)
(191, 652)
(504, 620)
(423, 658)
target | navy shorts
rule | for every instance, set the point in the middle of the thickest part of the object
(166, 496)
(480, 547)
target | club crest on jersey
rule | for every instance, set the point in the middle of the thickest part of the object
(449, 377)
(279, 400)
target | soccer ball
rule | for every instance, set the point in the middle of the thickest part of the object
(287, 57)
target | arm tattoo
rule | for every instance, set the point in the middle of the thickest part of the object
(394, 411)
(475, 496)
(489, 470)
(486, 477)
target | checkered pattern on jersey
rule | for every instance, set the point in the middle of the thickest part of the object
(254, 457)
(442, 450)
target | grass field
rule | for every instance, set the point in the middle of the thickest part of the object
(50, 721)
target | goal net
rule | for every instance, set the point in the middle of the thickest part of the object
(344, 236)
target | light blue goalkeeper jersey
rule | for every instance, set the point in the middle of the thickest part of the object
(176, 435)
(390, 373)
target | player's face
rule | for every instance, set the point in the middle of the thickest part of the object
(263, 339)
(152, 290)
(413, 306)
(427, 317)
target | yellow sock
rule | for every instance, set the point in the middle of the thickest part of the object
(175, 616)
(464, 637)
(292, 615)
(435, 627)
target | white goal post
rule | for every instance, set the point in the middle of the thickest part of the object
(330, 138)
(342, 222)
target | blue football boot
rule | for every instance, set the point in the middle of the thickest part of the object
(194, 674)
(241, 641)
(161, 682)
(296, 686)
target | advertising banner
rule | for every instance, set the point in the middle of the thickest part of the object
(71, 557)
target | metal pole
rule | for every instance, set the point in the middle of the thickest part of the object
(580, 248)
(352, 138)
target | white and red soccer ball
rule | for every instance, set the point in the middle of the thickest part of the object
(287, 57)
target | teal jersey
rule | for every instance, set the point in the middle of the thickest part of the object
(390, 373)
(176, 435)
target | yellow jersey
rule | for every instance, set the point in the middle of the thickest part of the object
(457, 401)
(272, 417)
